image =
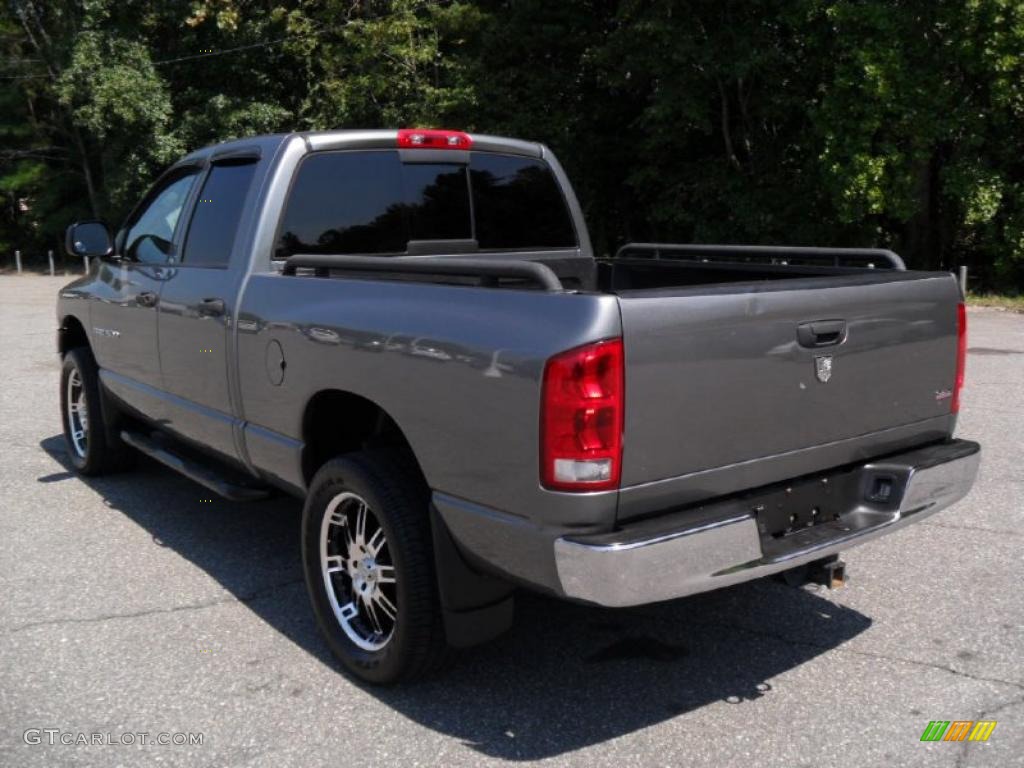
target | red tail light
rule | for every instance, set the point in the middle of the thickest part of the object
(581, 418)
(429, 138)
(961, 354)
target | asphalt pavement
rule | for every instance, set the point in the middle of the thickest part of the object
(133, 604)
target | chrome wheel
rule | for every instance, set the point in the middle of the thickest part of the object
(78, 413)
(358, 572)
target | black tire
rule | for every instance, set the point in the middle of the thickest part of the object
(103, 451)
(399, 502)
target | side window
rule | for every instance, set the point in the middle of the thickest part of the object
(211, 233)
(151, 233)
(345, 202)
(517, 204)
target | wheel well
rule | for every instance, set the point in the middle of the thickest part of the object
(72, 334)
(337, 422)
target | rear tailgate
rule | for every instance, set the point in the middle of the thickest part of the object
(723, 392)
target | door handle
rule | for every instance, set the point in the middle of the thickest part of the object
(821, 333)
(211, 307)
(146, 299)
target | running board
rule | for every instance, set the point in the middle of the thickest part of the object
(219, 482)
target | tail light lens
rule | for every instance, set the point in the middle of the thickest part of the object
(961, 354)
(581, 418)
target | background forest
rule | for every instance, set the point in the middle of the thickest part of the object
(826, 122)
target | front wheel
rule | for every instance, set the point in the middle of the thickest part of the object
(369, 568)
(92, 444)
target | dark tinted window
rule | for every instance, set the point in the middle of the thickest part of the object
(370, 202)
(345, 202)
(437, 201)
(518, 204)
(211, 234)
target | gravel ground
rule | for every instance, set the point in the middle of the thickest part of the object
(132, 606)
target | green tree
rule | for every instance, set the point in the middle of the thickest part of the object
(834, 122)
(367, 64)
(921, 125)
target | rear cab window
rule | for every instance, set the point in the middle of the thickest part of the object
(369, 202)
(517, 204)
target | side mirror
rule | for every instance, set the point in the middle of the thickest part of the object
(88, 238)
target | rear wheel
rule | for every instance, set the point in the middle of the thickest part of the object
(89, 432)
(369, 568)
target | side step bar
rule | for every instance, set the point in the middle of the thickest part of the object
(220, 482)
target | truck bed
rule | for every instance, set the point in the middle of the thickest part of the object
(723, 391)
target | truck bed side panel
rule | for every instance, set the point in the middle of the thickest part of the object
(458, 369)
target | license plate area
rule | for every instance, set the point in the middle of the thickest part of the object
(805, 503)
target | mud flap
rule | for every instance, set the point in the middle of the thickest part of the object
(477, 607)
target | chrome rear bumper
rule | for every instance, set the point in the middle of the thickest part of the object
(720, 544)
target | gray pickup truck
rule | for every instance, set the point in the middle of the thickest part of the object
(409, 330)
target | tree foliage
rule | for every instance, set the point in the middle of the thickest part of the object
(834, 122)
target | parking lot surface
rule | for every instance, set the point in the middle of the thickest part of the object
(133, 604)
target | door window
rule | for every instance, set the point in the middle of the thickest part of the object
(151, 234)
(211, 233)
